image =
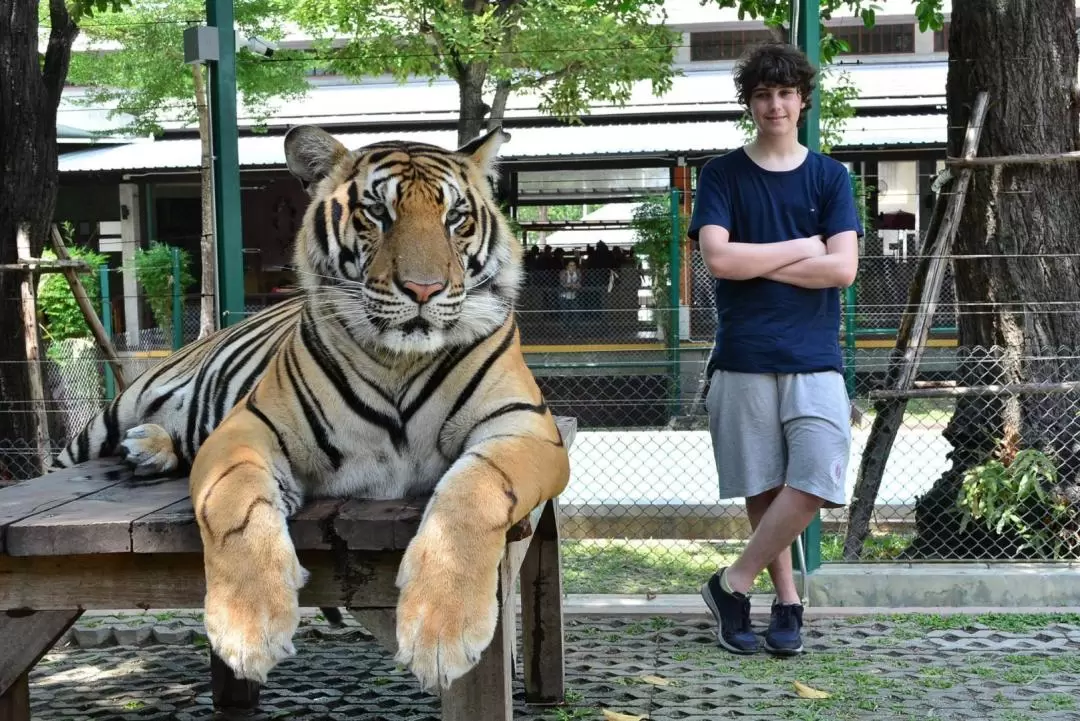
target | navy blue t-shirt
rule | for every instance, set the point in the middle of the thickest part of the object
(766, 326)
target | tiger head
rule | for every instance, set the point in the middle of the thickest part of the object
(403, 245)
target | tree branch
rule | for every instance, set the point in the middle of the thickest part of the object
(555, 75)
(58, 55)
(498, 103)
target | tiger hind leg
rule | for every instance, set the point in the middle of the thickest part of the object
(149, 450)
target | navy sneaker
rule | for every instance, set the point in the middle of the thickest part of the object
(784, 636)
(732, 613)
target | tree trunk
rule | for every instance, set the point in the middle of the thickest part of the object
(1018, 317)
(29, 95)
(498, 104)
(207, 316)
(472, 108)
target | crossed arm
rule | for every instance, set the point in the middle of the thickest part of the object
(805, 262)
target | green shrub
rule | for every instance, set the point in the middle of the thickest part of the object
(154, 271)
(61, 317)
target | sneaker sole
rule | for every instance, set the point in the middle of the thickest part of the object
(783, 651)
(707, 597)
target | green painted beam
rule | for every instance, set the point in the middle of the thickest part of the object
(807, 30)
(229, 235)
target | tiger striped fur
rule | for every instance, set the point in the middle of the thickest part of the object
(397, 370)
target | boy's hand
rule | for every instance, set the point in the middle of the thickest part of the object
(814, 246)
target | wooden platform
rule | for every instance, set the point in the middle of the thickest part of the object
(91, 537)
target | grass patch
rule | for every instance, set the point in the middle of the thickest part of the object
(926, 412)
(637, 566)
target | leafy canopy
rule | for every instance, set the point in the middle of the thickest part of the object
(572, 52)
(137, 62)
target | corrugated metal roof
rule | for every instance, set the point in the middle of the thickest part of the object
(525, 143)
(383, 100)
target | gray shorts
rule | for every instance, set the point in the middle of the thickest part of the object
(771, 429)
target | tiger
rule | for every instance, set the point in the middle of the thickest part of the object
(396, 370)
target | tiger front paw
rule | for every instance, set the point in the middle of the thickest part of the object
(446, 614)
(251, 621)
(149, 450)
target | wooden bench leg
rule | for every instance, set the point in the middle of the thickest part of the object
(15, 702)
(27, 636)
(485, 693)
(228, 691)
(541, 614)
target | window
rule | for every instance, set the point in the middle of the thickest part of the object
(726, 44)
(941, 39)
(878, 40)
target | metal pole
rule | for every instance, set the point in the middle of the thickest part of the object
(807, 31)
(106, 323)
(674, 298)
(177, 303)
(229, 231)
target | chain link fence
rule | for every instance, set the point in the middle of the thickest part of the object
(971, 475)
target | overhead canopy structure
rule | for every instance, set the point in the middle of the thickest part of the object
(662, 141)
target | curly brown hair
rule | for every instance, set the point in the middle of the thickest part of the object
(778, 64)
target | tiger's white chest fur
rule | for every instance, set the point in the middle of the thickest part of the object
(399, 444)
(377, 469)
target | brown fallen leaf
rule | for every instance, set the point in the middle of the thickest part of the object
(610, 715)
(656, 680)
(805, 691)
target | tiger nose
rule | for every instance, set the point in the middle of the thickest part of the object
(421, 292)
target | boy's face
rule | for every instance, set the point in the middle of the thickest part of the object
(776, 109)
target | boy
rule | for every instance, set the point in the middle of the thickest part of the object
(778, 229)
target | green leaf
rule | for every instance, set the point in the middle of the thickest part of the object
(571, 53)
(147, 76)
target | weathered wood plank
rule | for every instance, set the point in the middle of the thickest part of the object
(171, 529)
(567, 426)
(541, 614)
(378, 525)
(28, 498)
(27, 636)
(228, 691)
(15, 702)
(485, 692)
(311, 527)
(96, 523)
(178, 580)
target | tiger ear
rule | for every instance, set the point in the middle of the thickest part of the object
(485, 149)
(311, 153)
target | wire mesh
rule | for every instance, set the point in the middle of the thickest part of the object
(968, 477)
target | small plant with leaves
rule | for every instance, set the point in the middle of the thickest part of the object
(1013, 494)
(653, 237)
(61, 317)
(154, 271)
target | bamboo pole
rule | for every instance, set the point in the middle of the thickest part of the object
(88, 310)
(44, 266)
(1028, 159)
(30, 332)
(910, 344)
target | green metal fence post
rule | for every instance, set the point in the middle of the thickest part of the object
(674, 297)
(849, 339)
(807, 30)
(106, 322)
(177, 303)
(229, 236)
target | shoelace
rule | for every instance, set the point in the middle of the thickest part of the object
(785, 618)
(744, 617)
